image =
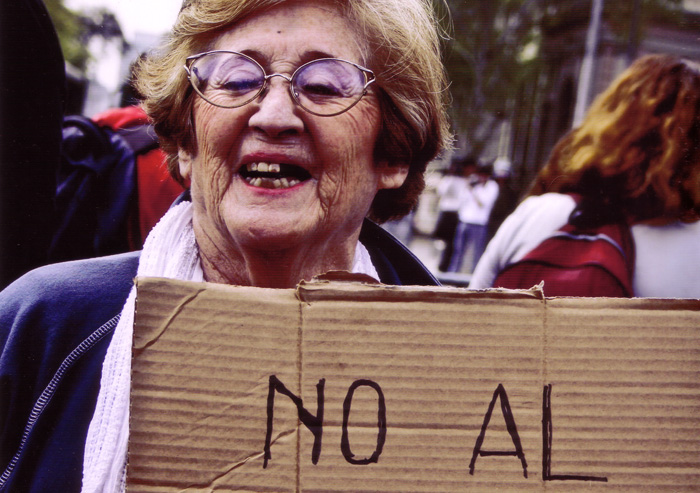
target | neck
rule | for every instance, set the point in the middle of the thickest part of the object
(279, 268)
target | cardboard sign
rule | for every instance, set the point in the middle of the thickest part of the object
(355, 387)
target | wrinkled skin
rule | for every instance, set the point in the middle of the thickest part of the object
(274, 238)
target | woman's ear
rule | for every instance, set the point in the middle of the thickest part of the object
(184, 160)
(391, 176)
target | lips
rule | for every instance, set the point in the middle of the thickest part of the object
(273, 175)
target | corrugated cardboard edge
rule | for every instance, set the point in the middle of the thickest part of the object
(345, 286)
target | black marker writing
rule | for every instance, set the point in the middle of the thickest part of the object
(313, 423)
(381, 423)
(547, 444)
(512, 430)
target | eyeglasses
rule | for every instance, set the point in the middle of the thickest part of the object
(323, 87)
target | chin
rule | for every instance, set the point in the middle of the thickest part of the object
(272, 237)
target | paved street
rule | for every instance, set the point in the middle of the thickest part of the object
(428, 251)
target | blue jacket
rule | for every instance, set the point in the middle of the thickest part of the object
(55, 326)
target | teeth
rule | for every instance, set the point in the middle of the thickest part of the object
(269, 181)
(264, 167)
(277, 183)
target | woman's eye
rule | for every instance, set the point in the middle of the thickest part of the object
(241, 85)
(321, 90)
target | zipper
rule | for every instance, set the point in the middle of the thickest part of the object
(50, 390)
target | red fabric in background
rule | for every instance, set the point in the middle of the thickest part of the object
(156, 188)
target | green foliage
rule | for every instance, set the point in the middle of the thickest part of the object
(623, 17)
(69, 29)
(75, 29)
(626, 18)
(495, 51)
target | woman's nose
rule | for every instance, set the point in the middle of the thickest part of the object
(276, 113)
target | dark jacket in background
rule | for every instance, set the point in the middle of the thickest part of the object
(32, 90)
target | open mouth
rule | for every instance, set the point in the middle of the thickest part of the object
(273, 175)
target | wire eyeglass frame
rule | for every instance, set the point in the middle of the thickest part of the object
(191, 60)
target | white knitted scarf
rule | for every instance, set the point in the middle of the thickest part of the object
(169, 251)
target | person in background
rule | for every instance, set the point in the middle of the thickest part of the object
(155, 187)
(32, 97)
(290, 123)
(507, 199)
(450, 189)
(476, 201)
(636, 158)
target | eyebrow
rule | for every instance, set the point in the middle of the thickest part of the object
(306, 57)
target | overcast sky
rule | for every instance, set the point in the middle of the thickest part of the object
(147, 16)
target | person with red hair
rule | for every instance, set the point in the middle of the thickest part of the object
(635, 158)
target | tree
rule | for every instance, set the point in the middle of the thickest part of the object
(495, 54)
(69, 28)
(494, 50)
(75, 29)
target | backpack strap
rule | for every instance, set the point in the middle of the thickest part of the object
(140, 138)
(619, 236)
(96, 182)
(606, 222)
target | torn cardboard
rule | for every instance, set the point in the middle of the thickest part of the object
(352, 387)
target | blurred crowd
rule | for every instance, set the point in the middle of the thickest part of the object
(474, 198)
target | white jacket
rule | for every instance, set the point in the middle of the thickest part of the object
(667, 258)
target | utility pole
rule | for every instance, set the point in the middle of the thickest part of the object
(585, 80)
(633, 41)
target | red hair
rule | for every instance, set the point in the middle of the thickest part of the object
(638, 147)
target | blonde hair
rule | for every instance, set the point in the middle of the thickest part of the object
(402, 43)
(638, 147)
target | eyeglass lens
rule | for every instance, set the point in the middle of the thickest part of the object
(325, 87)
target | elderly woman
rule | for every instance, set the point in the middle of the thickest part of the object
(290, 122)
(635, 158)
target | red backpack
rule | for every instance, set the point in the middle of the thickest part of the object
(577, 261)
(112, 185)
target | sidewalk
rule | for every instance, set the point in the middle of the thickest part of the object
(428, 251)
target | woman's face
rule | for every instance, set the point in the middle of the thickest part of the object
(333, 156)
